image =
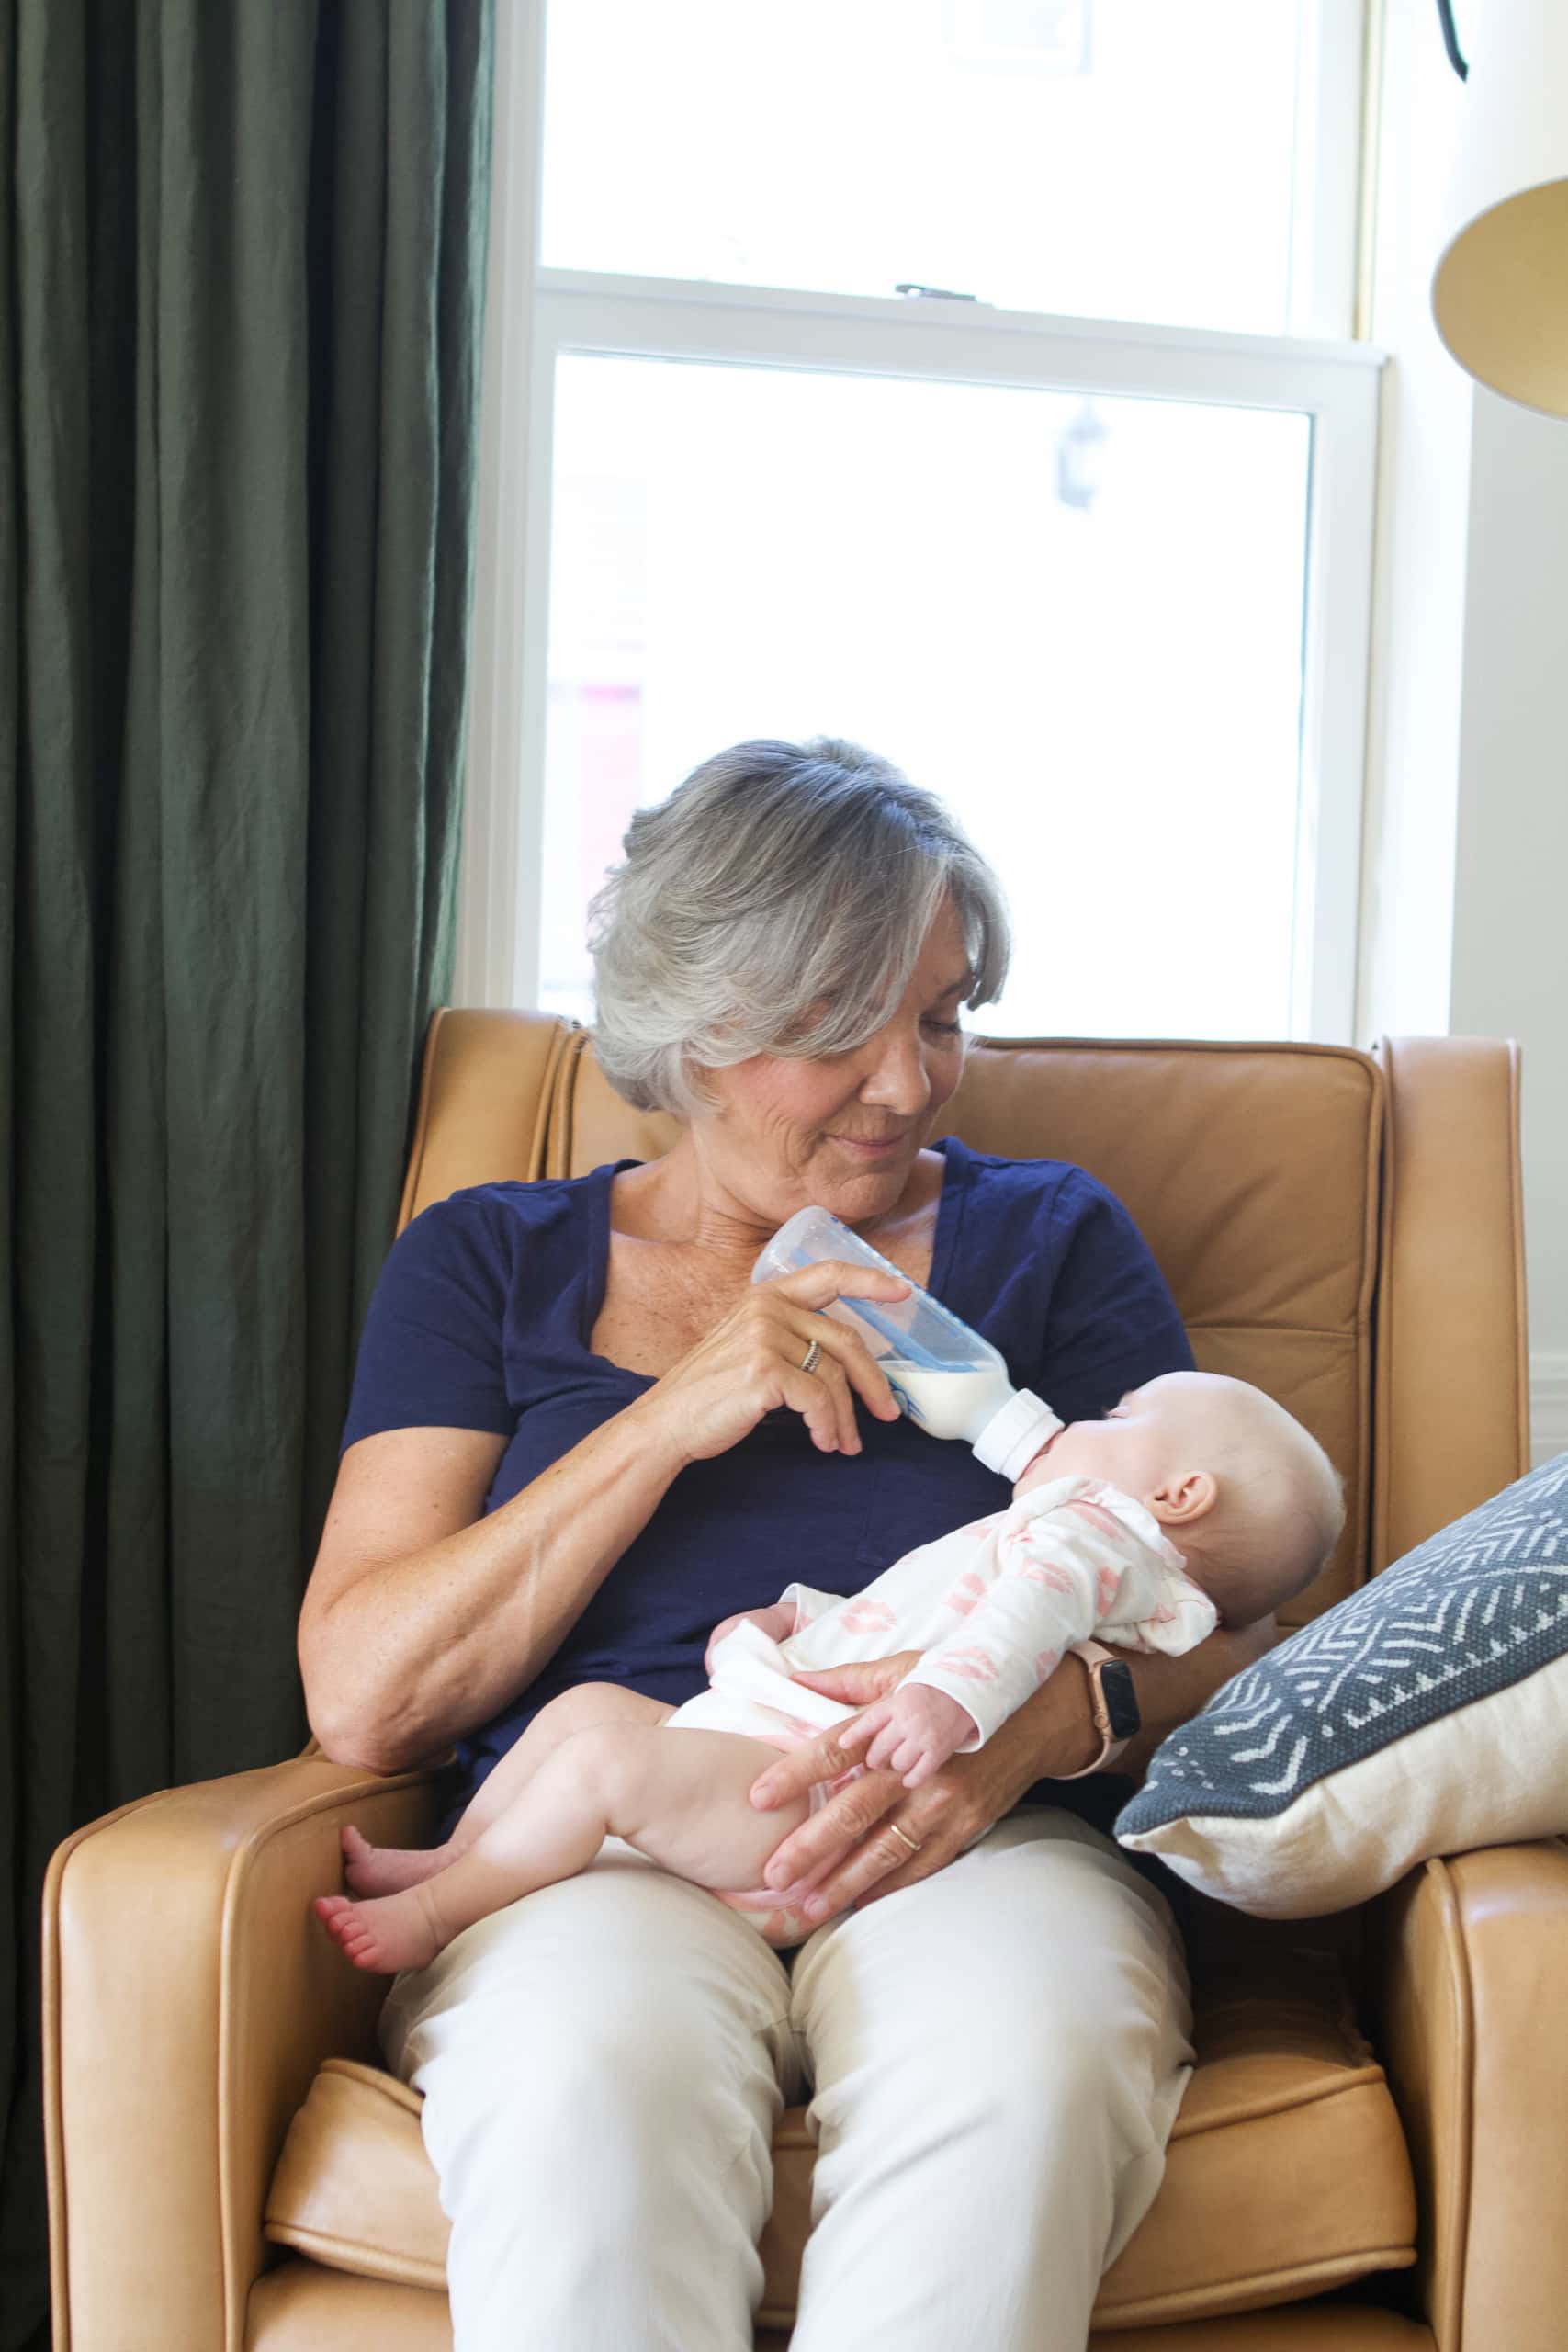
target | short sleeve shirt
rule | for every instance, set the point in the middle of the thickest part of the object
(481, 1320)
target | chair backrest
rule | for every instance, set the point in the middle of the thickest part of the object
(1340, 1227)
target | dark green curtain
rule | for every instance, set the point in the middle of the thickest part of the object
(241, 252)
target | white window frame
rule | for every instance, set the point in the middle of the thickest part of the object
(536, 315)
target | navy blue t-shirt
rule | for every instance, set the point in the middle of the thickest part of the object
(481, 1320)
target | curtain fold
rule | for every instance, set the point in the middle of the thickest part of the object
(242, 266)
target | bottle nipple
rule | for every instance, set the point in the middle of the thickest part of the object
(1012, 1439)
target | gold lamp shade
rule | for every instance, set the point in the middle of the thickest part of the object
(1500, 298)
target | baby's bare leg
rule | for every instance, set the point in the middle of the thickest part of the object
(385, 1870)
(682, 1801)
(587, 1707)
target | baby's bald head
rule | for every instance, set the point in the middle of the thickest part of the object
(1247, 1495)
(1280, 1504)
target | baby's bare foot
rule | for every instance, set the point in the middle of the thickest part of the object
(389, 1934)
(387, 1870)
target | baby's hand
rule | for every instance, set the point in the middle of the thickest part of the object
(913, 1731)
(777, 1622)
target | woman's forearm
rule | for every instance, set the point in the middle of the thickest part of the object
(420, 1649)
(1050, 1738)
(406, 1646)
(1054, 1735)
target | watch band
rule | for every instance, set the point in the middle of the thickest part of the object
(1096, 1659)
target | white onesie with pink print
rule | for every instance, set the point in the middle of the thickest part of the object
(991, 1608)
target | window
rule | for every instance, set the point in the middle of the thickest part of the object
(1160, 160)
(1102, 586)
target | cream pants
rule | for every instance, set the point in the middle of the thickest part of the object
(995, 2057)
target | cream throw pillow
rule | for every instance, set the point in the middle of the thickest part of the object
(1426, 1714)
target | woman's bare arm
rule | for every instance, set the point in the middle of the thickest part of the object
(423, 1619)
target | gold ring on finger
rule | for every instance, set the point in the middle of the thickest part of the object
(809, 1361)
(903, 1837)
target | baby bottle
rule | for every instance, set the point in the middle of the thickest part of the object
(947, 1379)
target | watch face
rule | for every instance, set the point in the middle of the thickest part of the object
(1121, 1700)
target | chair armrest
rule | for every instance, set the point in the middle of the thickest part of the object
(1474, 1954)
(1451, 1384)
(190, 1996)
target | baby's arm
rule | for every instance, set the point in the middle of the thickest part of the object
(1062, 1575)
(913, 1731)
(1055, 1575)
(1025, 1596)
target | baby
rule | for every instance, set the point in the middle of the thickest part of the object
(1088, 1547)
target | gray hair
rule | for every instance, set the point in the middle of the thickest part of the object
(776, 903)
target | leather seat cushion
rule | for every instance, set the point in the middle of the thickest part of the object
(1287, 2171)
(297, 2307)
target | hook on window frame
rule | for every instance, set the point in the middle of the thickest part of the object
(1450, 39)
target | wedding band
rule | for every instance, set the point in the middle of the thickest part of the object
(809, 1361)
(903, 1839)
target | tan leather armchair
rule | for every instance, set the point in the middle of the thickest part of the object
(1373, 2154)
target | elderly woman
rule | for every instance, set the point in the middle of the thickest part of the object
(580, 1437)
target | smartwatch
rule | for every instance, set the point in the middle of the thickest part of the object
(1113, 1703)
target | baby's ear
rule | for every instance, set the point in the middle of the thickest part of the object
(1186, 1496)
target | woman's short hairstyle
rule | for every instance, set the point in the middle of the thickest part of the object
(776, 903)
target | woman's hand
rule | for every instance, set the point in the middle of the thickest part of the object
(752, 1361)
(857, 1848)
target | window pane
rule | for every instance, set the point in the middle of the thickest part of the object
(1108, 158)
(1079, 621)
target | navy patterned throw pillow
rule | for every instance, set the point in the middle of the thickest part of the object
(1426, 1714)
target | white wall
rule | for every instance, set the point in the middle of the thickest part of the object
(1510, 927)
(1465, 924)
(1407, 879)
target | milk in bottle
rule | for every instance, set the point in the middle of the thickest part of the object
(948, 1379)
